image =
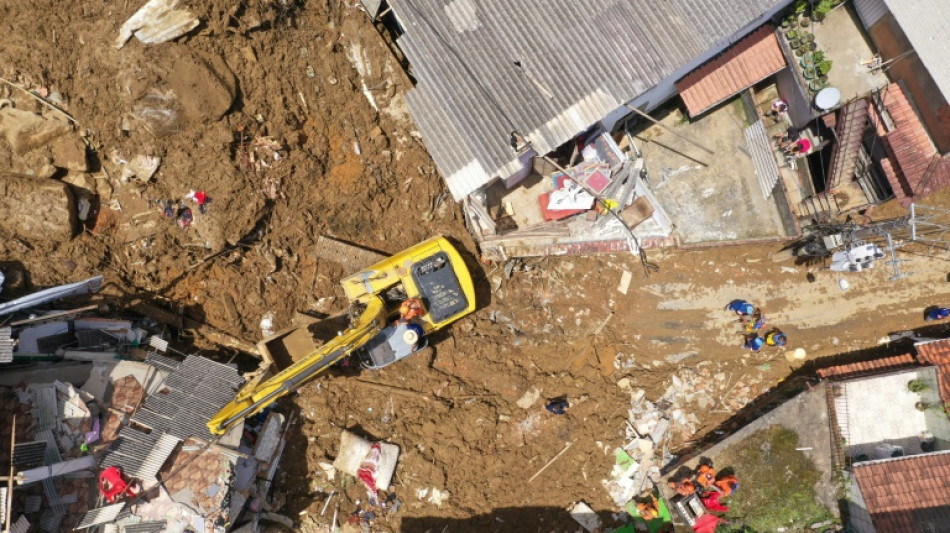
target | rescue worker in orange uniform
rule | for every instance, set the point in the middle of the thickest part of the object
(706, 476)
(684, 487)
(649, 510)
(410, 309)
(727, 485)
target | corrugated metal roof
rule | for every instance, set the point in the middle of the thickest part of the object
(548, 69)
(161, 362)
(85, 286)
(763, 160)
(6, 345)
(156, 458)
(754, 58)
(196, 390)
(31, 504)
(20, 526)
(926, 23)
(870, 11)
(100, 515)
(46, 407)
(52, 518)
(144, 527)
(29, 454)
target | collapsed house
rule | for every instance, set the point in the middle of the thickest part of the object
(82, 394)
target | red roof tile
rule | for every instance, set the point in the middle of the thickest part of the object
(754, 58)
(938, 353)
(864, 367)
(915, 168)
(908, 494)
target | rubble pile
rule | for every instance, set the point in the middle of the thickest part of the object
(639, 459)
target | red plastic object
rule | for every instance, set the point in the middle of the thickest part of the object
(112, 484)
(711, 502)
(706, 524)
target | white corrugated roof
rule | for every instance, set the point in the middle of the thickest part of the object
(548, 70)
(927, 25)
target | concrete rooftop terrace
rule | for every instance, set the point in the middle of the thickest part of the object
(843, 40)
(710, 198)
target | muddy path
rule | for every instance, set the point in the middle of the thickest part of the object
(273, 122)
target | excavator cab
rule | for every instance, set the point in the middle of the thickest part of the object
(431, 272)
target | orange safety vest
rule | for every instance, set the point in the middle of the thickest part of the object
(410, 309)
(684, 488)
(706, 475)
(648, 510)
(727, 484)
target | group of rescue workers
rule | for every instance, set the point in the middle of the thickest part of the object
(756, 334)
(704, 482)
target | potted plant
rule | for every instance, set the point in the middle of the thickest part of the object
(809, 73)
(811, 47)
(804, 22)
(918, 386)
(795, 43)
(823, 67)
(807, 37)
(822, 9)
(808, 59)
(791, 34)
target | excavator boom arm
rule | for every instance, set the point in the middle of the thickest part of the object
(258, 396)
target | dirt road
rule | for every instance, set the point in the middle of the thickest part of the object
(289, 80)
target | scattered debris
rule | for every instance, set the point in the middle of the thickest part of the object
(585, 516)
(529, 398)
(625, 280)
(355, 449)
(141, 167)
(156, 22)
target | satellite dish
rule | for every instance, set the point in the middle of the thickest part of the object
(827, 98)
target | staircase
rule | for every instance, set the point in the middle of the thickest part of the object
(820, 206)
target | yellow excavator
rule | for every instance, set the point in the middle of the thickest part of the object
(431, 273)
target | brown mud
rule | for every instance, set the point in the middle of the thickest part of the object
(263, 107)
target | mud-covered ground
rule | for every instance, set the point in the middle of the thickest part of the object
(259, 78)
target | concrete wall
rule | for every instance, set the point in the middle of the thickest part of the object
(799, 106)
(931, 103)
(666, 89)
